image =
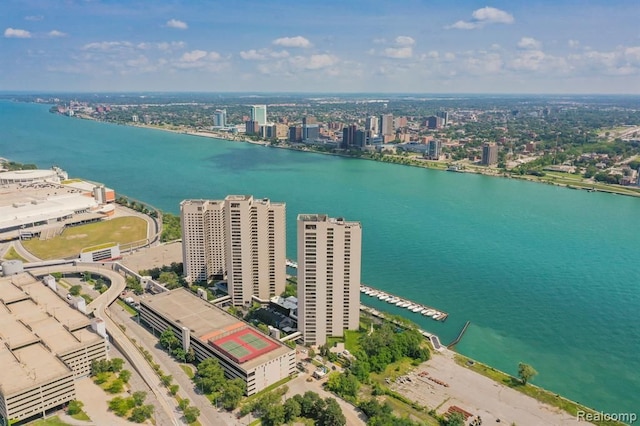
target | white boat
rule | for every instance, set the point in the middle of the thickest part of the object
(429, 312)
(405, 304)
(374, 293)
(417, 308)
(437, 314)
(399, 302)
(368, 292)
(363, 289)
(411, 306)
(383, 297)
(393, 300)
(423, 310)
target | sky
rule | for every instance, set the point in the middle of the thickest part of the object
(330, 46)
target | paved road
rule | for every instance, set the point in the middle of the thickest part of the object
(209, 415)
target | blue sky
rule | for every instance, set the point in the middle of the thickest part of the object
(421, 46)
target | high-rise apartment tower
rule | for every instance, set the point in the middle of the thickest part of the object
(329, 253)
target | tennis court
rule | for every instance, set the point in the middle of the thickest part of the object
(244, 345)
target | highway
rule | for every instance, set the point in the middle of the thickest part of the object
(118, 338)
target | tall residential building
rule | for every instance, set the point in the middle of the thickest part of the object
(259, 114)
(386, 125)
(328, 276)
(255, 235)
(203, 239)
(489, 154)
(295, 134)
(240, 238)
(220, 118)
(309, 119)
(372, 124)
(349, 136)
(310, 132)
(444, 115)
(434, 149)
(435, 122)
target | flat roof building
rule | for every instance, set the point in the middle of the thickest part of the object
(242, 351)
(44, 345)
(329, 256)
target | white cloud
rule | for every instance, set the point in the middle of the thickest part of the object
(252, 55)
(398, 52)
(297, 41)
(34, 18)
(174, 23)
(484, 16)
(56, 33)
(405, 41)
(108, 45)
(16, 33)
(193, 56)
(573, 43)
(529, 43)
(314, 62)
(262, 54)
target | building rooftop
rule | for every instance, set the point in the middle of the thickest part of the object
(208, 323)
(36, 324)
(326, 218)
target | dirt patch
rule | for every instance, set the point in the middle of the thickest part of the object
(75, 237)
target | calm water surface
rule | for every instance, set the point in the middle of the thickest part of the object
(547, 275)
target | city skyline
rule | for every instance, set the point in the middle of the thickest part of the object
(409, 46)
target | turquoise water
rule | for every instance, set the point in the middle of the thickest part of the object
(546, 275)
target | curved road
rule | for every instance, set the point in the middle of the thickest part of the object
(99, 306)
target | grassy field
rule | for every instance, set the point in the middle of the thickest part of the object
(81, 416)
(51, 421)
(12, 254)
(188, 370)
(122, 230)
(126, 307)
(536, 392)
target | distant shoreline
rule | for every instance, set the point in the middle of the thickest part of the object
(591, 187)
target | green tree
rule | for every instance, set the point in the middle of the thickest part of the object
(166, 380)
(125, 375)
(183, 404)
(455, 419)
(232, 394)
(526, 372)
(291, 410)
(139, 397)
(274, 415)
(115, 365)
(332, 414)
(191, 414)
(141, 414)
(75, 290)
(74, 407)
(173, 389)
(120, 406)
(210, 376)
(168, 339)
(116, 386)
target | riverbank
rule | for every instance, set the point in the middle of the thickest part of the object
(565, 180)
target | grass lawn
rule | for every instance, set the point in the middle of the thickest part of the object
(81, 416)
(12, 254)
(127, 307)
(121, 230)
(536, 392)
(351, 340)
(188, 370)
(393, 371)
(51, 421)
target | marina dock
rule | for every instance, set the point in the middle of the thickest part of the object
(417, 308)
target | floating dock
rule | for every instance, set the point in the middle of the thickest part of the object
(416, 308)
